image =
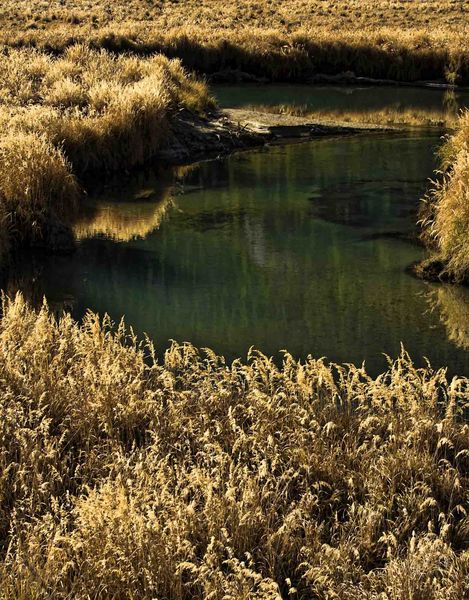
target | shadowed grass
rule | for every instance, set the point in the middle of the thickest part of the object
(381, 53)
(126, 478)
(279, 39)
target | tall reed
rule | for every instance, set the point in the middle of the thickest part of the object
(123, 477)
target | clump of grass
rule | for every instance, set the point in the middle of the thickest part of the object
(85, 111)
(34, 178)
(124, 477)
(445, 212)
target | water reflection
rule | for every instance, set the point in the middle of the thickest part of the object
(124, 221)
(124, 212)
(452, 304)
(290, 247)
(338, 101)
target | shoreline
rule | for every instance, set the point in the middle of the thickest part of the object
(434, 270)
(192, 138)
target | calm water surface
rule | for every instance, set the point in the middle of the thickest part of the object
(337, 99)
(292, 247)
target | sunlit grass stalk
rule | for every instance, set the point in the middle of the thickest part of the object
(122, 477)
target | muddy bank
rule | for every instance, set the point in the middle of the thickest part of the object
(193, 138)
(434, 269)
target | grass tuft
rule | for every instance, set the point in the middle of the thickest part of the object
(445, 211)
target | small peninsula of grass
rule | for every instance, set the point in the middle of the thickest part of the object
(85, 111)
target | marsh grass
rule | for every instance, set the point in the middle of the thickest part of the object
(445, 209)
(269, 53)
(279, 39)
(192, 478)
(85, 111)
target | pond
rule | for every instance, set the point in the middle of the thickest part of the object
(302, 246)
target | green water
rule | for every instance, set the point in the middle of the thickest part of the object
(344, 98)
(289, 247)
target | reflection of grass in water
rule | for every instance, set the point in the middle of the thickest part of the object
(452, 304)
(132, 211)
(386, 116)
(123, 221)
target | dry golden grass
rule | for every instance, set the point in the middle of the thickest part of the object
(278, 39)
(126, 478)
(446, 207)
(283, 15)
(86, 110)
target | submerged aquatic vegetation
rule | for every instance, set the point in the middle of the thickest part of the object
(192, 478)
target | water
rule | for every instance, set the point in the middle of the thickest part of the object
(294, 247)
(338, 99)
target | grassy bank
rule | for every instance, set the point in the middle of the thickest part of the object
(124, 478)
(85, 111)
(445, 210)
(274, 56)
(281, 40)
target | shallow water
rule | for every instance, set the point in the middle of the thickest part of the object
(290, 247)
(360, 99)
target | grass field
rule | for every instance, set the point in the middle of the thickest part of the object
(282, 15)
(280, 40)
(124, 478)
